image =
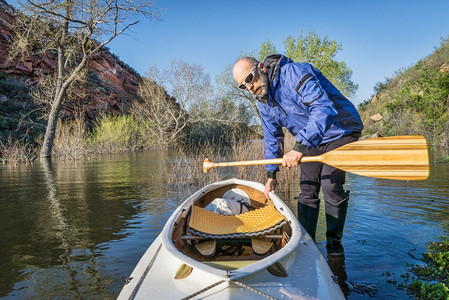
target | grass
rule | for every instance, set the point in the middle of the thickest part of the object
(73, 140)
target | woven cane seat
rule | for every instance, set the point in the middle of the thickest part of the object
(253, 223)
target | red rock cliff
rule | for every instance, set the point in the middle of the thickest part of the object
(111, 87)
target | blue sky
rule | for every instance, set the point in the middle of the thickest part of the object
(378, 37)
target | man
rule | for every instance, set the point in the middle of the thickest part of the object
(298, 97)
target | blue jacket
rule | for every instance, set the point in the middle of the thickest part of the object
(307, 104)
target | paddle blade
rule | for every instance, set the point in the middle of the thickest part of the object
(397, 157)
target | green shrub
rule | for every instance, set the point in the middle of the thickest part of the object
(430, 291)
(433, 277)
(115, 134)
(11, 86)
(3, 123)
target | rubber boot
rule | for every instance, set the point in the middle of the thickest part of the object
(308, 217)
(335, 226)
(334, 231)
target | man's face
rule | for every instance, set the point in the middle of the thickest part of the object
(252, 78)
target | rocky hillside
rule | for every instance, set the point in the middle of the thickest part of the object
(414, 101)
(111, 85)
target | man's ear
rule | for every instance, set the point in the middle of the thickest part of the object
(262, 67)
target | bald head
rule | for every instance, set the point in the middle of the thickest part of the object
(243, 66)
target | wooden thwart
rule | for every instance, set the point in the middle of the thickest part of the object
(396, 157)
(261, 246)
(207, 248)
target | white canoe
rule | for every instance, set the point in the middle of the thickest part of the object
(304, 271)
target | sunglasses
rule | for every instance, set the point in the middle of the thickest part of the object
(249, 78)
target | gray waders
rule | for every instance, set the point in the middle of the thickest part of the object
(316, 176)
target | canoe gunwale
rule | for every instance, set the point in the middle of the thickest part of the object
(182, 210)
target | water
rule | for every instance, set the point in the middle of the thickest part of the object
(75, 230)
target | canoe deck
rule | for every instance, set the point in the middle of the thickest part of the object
(309, 277)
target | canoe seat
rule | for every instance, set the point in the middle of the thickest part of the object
(247, 229)
(250, 224)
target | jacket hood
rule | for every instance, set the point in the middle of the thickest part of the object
(273, 63)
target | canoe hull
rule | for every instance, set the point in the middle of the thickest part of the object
(309, 276)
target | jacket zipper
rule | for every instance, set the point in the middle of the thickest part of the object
(277, 103)
(280, 107)
(303, 81)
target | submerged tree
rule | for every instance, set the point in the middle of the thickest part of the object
(71, 31)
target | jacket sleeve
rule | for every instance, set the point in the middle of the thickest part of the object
(274, 141)
(320, 108)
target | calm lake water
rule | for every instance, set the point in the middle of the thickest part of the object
(75, 230)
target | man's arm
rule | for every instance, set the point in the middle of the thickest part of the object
(270, 186)
(274, 143)
(315, 100)
(274, 148)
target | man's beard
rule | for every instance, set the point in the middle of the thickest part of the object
(264, 86)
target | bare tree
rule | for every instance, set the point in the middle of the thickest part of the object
(172, 99)
(181, 97)
(229, 89)
(72, 31)
(160, 115)
(187, 83)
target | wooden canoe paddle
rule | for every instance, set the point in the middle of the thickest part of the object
(395, 157)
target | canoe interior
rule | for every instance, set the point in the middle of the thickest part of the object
(226, 260)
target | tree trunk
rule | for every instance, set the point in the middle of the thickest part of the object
(50, 131)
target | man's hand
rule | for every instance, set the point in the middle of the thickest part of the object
(292, 159)
(270, 185)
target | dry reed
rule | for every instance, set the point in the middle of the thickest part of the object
(70, 139)
(186, 170)
(14, 151)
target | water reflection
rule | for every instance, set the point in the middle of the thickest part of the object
(64, 224)
(389, 224)
(77, 229)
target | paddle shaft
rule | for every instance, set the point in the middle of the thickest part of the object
(397, 157)
(274, 161)
(195, 237)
